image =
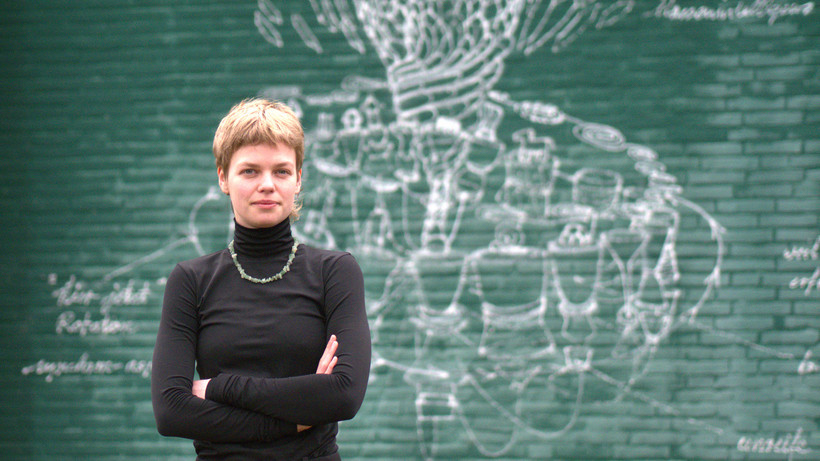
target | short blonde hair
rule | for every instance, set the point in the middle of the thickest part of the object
(258, 121)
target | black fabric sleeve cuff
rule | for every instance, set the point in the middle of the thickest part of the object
(216, 388)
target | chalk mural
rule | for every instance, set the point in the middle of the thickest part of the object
(513, 272)
(575, 282)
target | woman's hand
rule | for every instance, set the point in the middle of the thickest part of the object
(326, 364)
(328, 360)
(200, 385)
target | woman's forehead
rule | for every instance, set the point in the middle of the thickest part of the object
(277, 154)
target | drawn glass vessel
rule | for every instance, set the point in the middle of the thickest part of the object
(625, 248)
(596, 188)
(576, 271)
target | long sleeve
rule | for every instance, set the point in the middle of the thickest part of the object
(315, 399)
(177, 411)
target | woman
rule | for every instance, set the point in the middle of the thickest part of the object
(277, 330)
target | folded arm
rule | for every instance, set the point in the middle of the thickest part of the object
(316, 398)
(177, 411)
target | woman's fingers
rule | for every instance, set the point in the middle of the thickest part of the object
(328, 360)
(331, 365)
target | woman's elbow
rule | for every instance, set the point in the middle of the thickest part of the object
(349, 405)
(167, 419)
(166, 425)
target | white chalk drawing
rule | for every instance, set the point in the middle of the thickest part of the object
(578, 284)
(513, 272)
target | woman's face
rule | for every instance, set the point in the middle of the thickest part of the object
(262, 182)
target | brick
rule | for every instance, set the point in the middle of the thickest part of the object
(731, 163)
(769, 59)
(803, 101)
(715, 90)
(756, 205)
(707, 177)
(773, 147)
(768, 88)
(782, 117)
(734, 75)
(769, 176)
(724, 119)
(783, 73)
(747, 323)
(792, 205)
(810, 190)
(746, 103)
(746, 133)
(804, 336)
(717, 148)
(800, 322)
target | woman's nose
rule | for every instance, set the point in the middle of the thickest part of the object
(267, 183)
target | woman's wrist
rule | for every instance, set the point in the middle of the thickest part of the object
(200, 387)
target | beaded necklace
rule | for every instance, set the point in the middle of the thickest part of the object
(273, 278)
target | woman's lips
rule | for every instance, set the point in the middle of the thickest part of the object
(266, 203)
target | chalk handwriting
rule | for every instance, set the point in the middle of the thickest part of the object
(807, 284)
(138, 367)
(73, 292)
(803, 253)
(76, 292)
(806, 253)
(68, 322)
(86, 367)
(126, 295)
(790, 444)
(759, 9)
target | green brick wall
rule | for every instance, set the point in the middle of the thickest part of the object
(524, 304)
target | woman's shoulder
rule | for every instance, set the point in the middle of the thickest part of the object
(323, 254)
(328, 258)
(204, 263)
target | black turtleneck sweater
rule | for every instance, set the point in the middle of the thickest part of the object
(260, 344)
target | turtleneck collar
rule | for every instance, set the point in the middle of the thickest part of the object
(267, 241)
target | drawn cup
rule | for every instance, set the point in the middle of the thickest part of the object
(576, 272)
(597, 188)
(661, 227)
(656, 316)
(624, 251)
(515, 333)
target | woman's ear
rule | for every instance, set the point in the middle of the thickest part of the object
(223, 180)
(299, 181)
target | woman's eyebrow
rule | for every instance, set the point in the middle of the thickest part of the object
(252, 164)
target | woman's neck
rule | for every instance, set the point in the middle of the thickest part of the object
(267, 241)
